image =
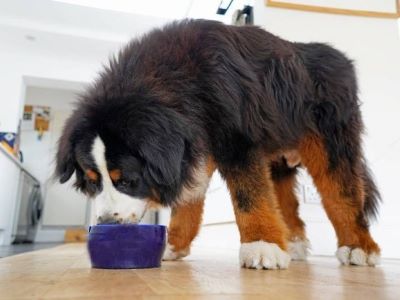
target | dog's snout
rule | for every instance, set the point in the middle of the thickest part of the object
(109, 219)
(116, 218)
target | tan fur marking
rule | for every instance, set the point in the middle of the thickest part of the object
(153, 204)
(289, 205)
(263, 220)
(210, 166)
(342, 211)
(115, 175)
(184, 225)
(292, 158)
(92, 175)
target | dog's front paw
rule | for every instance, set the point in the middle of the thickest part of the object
(357, 256)
(299, 249)
(263, 255)
(171, 254)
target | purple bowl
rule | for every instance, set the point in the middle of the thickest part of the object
(130, 246)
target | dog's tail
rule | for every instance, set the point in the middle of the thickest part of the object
(372, 195)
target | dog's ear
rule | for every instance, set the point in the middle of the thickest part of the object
(65, 157)
(65, 164)
(163, 154)
(161, 138)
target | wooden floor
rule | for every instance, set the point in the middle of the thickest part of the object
(64, 272)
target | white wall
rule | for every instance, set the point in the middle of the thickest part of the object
(17, 63)
(37, 158)
(63, 206)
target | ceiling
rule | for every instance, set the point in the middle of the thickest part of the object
(62, 27)
(172, 8)
(66, 19)
(115, 20)
(87, 31)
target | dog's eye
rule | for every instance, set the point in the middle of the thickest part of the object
(123, 183)
(92, 183)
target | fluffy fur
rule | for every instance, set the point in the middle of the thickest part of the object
(238, 96)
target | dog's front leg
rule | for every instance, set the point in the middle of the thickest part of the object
(183, 228)
(263, 232)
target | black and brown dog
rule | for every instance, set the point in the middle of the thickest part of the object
(199, 96)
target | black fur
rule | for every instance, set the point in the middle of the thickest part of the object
(280, 170)
(198, 88)
(244, 202)
(372, 195)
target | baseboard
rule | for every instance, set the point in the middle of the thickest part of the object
(50, 235)
(75, 235)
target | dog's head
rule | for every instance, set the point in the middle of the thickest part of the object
(126, 154)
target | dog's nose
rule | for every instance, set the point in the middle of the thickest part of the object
(109, 219)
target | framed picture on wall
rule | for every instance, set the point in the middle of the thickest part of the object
(28, 118)
(362, 8)
(36, 118)
(42, 118)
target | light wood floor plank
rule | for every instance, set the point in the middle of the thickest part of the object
(64, 273)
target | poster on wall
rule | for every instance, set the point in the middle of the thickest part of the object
(36, 118)
(27, 118)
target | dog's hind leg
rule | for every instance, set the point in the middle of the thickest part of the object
(343, 191)
(284, 178)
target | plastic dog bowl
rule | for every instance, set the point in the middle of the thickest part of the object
(130, 246)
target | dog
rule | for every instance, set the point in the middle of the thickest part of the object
(198, 96)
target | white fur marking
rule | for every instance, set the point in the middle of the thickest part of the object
(357, 256)
(374, 259)
(260, 254)
(170, 254)
(343, 255)
(110, 200)
(198, 188)
(299, 249)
